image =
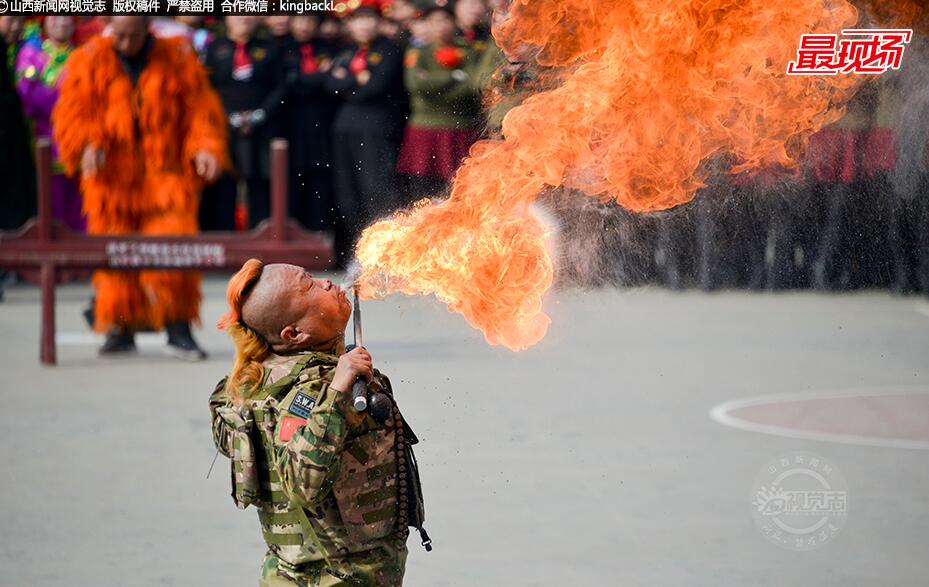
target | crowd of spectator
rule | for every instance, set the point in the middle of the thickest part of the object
(381, 103)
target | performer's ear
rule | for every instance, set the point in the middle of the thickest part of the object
(293, 336)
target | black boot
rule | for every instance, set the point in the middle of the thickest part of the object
(181, 343)
(119, 341)
(88, 313)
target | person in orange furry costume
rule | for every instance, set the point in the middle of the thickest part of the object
(138, 120)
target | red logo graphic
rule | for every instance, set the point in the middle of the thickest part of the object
(867, 51)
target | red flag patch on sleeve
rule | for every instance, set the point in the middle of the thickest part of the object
(289, 425)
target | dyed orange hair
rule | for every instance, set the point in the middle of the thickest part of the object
(250, 348)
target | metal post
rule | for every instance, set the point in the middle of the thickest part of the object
(43, 157)
(47, 339)
(279, 189)
(43, 160)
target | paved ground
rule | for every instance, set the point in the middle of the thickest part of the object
(590, 459)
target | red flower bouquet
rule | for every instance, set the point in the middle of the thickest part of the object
(449, 57)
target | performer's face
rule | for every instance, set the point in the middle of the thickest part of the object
(363, 27)
(59, 28)
(320, 308)
(470, 13)
(278, 25)
(11, 27)
(330, 28)
(129, 34)
(303, 27)
(441, 27)
(420, 29)
(403, 11)
(241, 28)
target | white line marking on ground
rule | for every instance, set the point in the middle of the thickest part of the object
(721, 414)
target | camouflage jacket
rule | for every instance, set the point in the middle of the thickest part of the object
(328, 483)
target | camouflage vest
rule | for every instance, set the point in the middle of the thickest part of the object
(376, 494)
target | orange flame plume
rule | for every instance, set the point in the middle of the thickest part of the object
(647, 91)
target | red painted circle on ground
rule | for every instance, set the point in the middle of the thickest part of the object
(868, 417)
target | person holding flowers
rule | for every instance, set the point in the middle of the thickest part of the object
(442, 82)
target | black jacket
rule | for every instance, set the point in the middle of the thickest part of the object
(309, 109)
(264, 89)
(380, 103)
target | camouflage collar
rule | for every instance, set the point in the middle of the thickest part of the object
(277, 367)
(291, 357)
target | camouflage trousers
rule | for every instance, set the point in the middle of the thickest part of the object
(379, 567)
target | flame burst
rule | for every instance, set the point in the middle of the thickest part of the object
(646, 91)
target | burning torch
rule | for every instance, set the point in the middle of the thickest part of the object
(378, 404)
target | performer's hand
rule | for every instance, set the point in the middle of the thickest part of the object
(92, 160)
(339, 73)
(363, 77)
(352, 365)
(207, 166)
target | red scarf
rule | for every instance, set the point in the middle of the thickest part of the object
(307, 60)
(359, 62)
(241, 63)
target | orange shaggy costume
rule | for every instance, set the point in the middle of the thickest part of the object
(149, 134)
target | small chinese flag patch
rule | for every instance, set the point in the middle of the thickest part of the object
(289, 425)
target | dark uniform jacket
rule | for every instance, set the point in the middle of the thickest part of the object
(382, 102)
(309, 108)
(263, 90)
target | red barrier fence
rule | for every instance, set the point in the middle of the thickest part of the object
(48, 245)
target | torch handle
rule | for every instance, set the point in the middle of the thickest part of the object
(360, 395)
(359, 388)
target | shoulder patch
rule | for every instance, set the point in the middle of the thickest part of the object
(301, 406)
(289, 425)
